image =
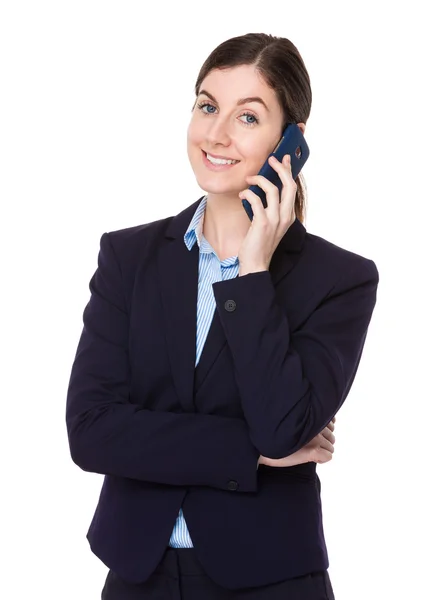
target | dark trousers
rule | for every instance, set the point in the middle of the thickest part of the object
(180, 576)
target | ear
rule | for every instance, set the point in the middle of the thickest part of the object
(302, 126)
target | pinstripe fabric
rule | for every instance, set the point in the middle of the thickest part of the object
(210, 270)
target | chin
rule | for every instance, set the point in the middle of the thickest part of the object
(214, 187)
(218, 183)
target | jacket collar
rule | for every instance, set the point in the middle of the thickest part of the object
(178, 278)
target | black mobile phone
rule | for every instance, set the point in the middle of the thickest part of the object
(293, 143)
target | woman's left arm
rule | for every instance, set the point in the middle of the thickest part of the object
(293, 383)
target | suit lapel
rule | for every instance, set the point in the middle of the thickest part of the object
(178, 279)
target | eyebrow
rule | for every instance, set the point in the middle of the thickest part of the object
(241, 101)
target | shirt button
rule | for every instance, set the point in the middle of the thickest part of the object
(232, 485)
(230, 305)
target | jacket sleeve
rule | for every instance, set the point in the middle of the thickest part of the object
(108, 434)
(291, 384)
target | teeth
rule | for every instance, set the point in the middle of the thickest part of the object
(221, 161)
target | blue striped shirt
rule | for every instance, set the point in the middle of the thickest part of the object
(210, 270)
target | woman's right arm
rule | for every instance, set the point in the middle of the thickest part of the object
(110, 435)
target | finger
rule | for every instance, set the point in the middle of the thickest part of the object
(328, 435)
(258, 209)
(331, 426)
(271, 192)
(289, 188)
(283, 169)
(326, 444)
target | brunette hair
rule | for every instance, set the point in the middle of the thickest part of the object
(279, 63)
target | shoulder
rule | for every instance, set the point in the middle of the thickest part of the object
(139, 242)
(339, 264)
(131, 244)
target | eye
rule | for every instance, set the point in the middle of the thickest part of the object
(203, 105)
(246, 114)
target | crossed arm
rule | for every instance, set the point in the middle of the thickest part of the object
(109, 435)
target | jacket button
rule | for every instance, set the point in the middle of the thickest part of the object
(230, 305)
(232, 485)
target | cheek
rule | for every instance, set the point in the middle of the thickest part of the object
(254, 160)
(194, 133)
(194, 145)
(259, 153)
(254, 151)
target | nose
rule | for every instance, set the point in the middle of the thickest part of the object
(219, 132)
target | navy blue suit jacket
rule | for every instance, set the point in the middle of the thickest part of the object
(278, 363)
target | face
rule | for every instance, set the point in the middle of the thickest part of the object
(228, 123)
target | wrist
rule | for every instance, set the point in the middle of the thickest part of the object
(245, 270)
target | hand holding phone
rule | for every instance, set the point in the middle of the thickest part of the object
(293, 143)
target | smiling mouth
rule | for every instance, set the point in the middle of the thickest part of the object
(219, 161)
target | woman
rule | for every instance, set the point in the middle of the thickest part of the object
(214, 356)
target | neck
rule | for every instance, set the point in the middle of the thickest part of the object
(225, 223)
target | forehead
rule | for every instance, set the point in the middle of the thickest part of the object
(228, 85)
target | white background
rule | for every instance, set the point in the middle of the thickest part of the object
(95, 102)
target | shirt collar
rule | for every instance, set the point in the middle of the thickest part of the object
(195, 230)
(194, 234)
